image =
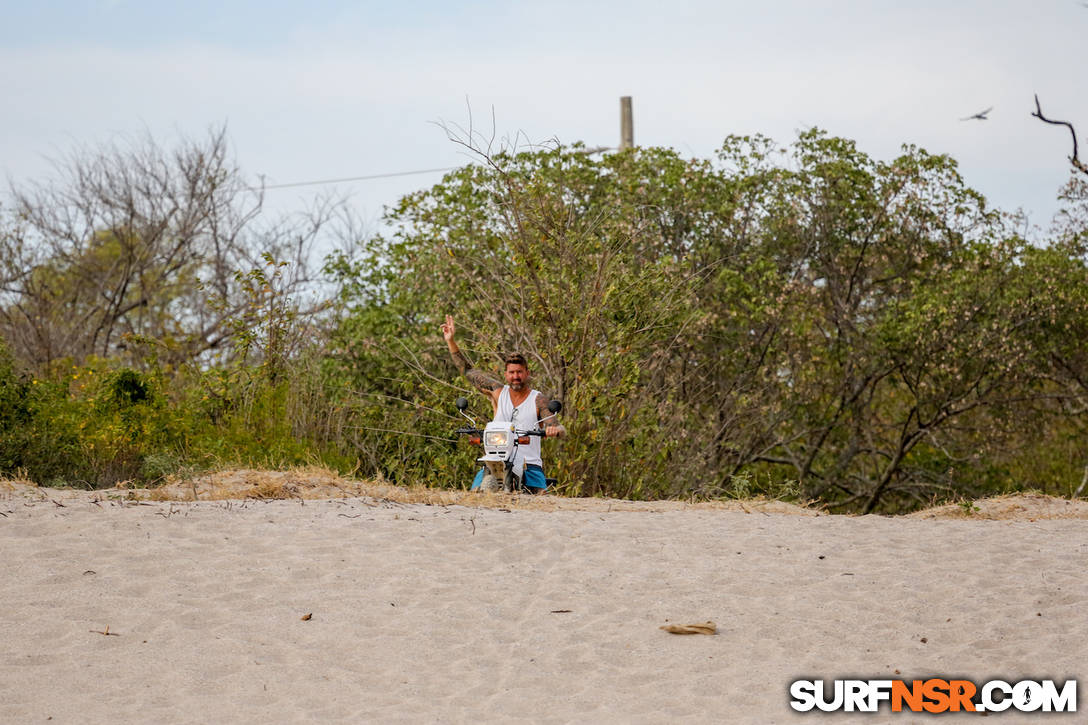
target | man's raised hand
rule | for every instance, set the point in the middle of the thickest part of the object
(448, 328)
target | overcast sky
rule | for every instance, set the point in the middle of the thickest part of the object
(331, 89)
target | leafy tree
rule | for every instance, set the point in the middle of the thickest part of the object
(530, 254)
(805, 314)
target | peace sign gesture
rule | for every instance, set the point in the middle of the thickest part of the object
(448, 329)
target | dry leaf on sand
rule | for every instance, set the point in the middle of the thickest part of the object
(703, 628)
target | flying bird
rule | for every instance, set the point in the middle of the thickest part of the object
(981, 115)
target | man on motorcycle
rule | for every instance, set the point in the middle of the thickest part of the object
(513, 402)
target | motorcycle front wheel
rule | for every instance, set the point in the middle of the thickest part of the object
(510, 481)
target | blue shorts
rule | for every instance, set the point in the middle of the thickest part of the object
(533, 478)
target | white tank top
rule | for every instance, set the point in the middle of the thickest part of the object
(524, 418)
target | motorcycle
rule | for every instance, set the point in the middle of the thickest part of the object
(500, 441)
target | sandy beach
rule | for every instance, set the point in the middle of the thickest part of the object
(366, 609)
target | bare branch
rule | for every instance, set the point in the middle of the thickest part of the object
(136, 241)
(1075, 158)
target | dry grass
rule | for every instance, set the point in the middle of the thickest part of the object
(320, 483)
(17, 486)
(305, 483)
(1014, 507)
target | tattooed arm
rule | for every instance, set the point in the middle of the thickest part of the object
(480, 380)
(552, 428)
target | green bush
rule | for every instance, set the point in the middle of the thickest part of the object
(15, 413)
(95, 425)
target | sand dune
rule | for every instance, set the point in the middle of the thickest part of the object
(192, 611)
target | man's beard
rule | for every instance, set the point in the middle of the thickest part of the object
(517, 386)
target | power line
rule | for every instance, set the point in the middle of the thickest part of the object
(6, 192)
(594, 150)
(353, 178)
(369, 177)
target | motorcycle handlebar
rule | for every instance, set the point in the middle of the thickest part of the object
(479, 432)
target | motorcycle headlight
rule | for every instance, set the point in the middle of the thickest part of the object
(496, 438)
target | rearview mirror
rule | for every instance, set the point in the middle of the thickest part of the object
(555, 406)
(461, 403)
